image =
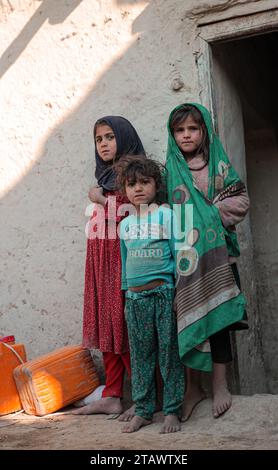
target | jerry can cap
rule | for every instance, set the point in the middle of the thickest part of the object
(7, 339)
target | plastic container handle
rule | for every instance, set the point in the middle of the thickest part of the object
(15, 352)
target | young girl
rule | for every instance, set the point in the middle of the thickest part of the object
(209, 301)
(104, 326)
(148, 271)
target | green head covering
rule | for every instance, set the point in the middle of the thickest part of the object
(208, 298)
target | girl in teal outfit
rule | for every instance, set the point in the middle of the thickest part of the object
(209, 300)
(148, 274)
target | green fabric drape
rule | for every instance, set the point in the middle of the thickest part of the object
(208, 298)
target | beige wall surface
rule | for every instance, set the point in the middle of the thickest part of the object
(64, 64)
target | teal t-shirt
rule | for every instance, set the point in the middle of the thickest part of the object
(148, 247)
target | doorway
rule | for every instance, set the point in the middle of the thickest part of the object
(245, 99)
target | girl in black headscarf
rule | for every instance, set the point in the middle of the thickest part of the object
(104, 326)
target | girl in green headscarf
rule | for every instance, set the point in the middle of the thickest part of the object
(210, 199)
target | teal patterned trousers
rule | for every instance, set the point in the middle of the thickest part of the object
(152, 332)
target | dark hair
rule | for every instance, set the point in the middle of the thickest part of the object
(100, 122)
(131, 167)
(181, 115)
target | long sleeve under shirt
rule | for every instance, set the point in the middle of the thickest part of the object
(148, 247)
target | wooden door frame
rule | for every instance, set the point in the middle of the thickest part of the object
(210, 31)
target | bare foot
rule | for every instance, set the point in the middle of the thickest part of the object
(171, 424)
(222, 401)
(136, 423)
(191, 400)
(194, 392)
(106, 405)
(128, 414)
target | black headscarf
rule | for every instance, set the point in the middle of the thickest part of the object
(128, 143)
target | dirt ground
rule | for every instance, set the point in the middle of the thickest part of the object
(251, 423)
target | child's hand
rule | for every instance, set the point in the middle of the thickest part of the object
(96, 195)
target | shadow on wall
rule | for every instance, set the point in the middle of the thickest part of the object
(44, 213)
(46, 11)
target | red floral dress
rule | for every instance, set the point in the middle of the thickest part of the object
(104, 325)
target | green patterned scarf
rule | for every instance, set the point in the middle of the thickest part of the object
(208, 298)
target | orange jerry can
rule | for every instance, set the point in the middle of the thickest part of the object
(11, 355)
(55, 380)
